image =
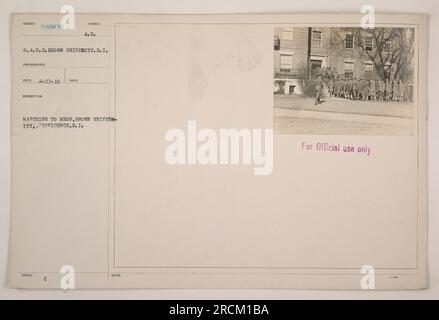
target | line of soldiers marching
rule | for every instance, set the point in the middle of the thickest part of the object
(363, 89)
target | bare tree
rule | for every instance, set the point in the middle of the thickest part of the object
(390, 49)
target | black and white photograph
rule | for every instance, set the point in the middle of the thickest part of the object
(344, 81)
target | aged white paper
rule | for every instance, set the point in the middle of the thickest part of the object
(191, 151)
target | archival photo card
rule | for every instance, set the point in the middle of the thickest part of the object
(219, 151)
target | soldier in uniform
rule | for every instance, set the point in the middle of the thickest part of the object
(350, 84)
(354, 89)
(366, 89)
(318, 87)
(342, 88)
(407, 92)
(337, 87)
(388, 90)
(361, 89)
(395, 90)
(346, 88)
(322, 72)
(372, 90)
(331, 87)
(381, 90)
(401, 91)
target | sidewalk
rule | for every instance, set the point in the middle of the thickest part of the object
(345, 106)
(299, 115)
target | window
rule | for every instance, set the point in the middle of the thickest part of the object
(316, 38)
(386, 47)
(287, 34)
(348, 69)
(286, 62)
(368, 43)
(368, 70)
(349, 42)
